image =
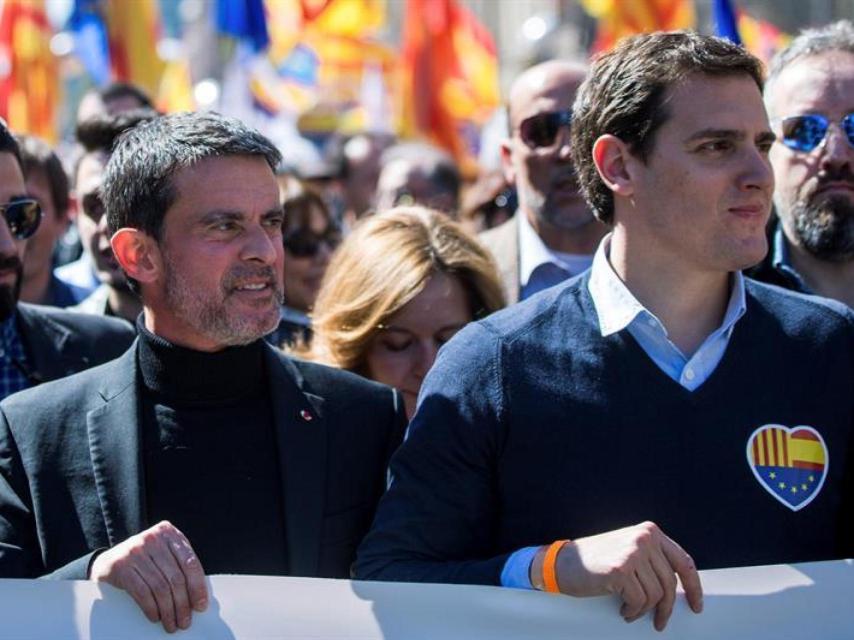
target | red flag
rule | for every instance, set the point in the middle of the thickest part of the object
(449, 80)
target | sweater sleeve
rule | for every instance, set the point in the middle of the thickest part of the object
(437, 521)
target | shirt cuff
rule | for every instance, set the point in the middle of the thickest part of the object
(516, 572)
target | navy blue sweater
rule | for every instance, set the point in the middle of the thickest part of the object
(533, 427)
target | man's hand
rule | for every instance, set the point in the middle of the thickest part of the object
(160, 570)
(638, 564)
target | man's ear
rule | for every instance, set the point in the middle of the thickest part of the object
(73, 206)
(612, 159)
(137, 253)
(507, 161)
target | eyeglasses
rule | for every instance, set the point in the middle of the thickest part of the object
(541, 130)
(303, 243)
(806, 132)
(23, 216)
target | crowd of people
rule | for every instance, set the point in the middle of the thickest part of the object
(592, 372)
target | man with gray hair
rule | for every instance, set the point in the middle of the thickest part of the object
(201, 432)
(810, 100)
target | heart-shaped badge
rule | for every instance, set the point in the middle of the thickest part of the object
(790, 464)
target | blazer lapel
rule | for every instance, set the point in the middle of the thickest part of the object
(116, 450)
(301, 439)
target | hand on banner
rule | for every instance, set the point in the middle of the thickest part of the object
(160, 570)
(638, 563)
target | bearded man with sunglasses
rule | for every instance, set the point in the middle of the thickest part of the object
(659, 413)
(553, 234)
(809, 95)
(39, 343)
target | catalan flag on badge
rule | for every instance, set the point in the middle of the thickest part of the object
(790, 464)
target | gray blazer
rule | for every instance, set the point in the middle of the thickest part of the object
(503, 242)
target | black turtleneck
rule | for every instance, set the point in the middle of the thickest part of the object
(211, 462)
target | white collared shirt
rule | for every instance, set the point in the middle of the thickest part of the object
(618, 309)
(539, 266)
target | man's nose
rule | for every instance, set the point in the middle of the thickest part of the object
(261, 245)
(427, 351)
(8, 245)
(837, 151)
(563, 141)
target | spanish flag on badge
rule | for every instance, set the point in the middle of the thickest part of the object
(790, 464)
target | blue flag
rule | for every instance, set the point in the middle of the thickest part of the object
(90, 39)
(243, 19)
(726, 25)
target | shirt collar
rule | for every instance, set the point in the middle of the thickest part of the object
(532, 250)
(617, 308)
(295, 316)
(781, 260)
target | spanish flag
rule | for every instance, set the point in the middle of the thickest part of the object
(621, 18)
(28, 75)
(133, 28)
(449, 77)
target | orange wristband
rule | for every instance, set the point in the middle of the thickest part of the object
(549, 562)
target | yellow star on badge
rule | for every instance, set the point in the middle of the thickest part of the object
(782, 485)
(794, 489)
(772, 475)
(803, 487)
(812, 478)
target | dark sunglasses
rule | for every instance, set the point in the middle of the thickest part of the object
(303, 243)
(805, 133)
(23, 216)
(541, 130)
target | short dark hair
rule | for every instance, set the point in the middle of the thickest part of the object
(100, 132)
(439, 166)
(118, 90)
(138, 184)
(36, 155)
(8, 144)
(625, 95)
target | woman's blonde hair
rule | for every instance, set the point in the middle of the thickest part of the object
(382, 265)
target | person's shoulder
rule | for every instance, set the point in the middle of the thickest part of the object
(79, 322)
(501, 239)
(54, 401)
(799, 312)
(556, 305)
(331, 382)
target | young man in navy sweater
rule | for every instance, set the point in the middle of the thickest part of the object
(660, 388)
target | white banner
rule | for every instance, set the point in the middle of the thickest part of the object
(814, 600)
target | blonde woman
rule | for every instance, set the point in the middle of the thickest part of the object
(401, 284)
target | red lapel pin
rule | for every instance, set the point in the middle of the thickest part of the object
(305, 415)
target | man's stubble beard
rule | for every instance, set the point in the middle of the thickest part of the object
(211, 317)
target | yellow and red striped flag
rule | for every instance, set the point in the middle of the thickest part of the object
(133, 27)
(29, 90)
(621, 18)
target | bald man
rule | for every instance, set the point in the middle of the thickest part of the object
(554, 234)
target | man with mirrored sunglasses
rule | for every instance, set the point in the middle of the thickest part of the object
(39, 343)
(554, 234)
(810, 101)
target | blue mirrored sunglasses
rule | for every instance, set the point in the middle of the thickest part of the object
(805, 133)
